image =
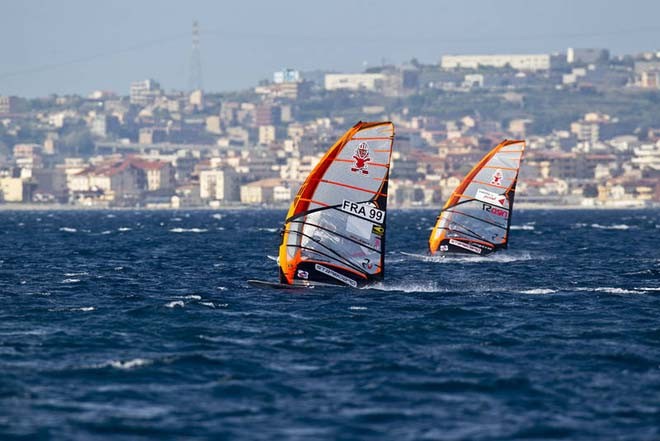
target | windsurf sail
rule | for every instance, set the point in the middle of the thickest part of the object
(334, 232)
(477, 217)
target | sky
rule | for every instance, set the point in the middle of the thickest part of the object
(78, 46)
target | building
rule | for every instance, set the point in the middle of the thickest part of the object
(8, 104)
(268, 115)
(14, 189)
(266, 191)
(359, 81)
(155, 175)
(531, 62)
(144, 92)
(286, 76)
(587, 56)
(219, 185)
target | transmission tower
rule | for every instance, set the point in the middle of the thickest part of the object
(195, 73)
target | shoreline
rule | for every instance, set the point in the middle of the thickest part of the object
(519, 206)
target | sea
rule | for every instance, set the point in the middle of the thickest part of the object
(131, 325)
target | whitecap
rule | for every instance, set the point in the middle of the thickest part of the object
(68, 229)
(174, 304)
(124, 229)
(188, 230)
(358, 308)
(106, 232)
(190, 297)
(611, 227)
(405, 287)
(84, 308)
(176, 219)
(84, 273)
(522, 227)
(538, 291)
(221, 288)
(217, 216)
(209, 304)
(129, 364)
(611, 290)
(502, 257)
(270, 230)
(70, 280)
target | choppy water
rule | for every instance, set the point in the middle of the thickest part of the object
(140, 324)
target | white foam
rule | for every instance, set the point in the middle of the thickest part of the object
(68, 230)
(538, 291)
(217, 216)
(129, 364)
(84, 308)
(175, 303)
(188, 230)
(270, 230)
(522, 227)
(190, 297)
(110, 216)
(176, 219)
(209, 304)
(501, 257)
(124, 229)
(611, 290)
(221, 288)
(406, 287)
(70, 280)
(611, 227)
(106, 232)
(84, 273)
(358, 308)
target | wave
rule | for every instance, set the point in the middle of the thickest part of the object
(129, 364)
(405, 287)
(84, 273)
(217, 216)
(209, 304)
(188, 230)
(502, 257)
(522, 227)
(358, 308)
(538, 291)
(175, 303)
(72, 280)
(611, 227)
(611, 290)
(68, 230)
(270, 230)
(191, 297)
(84, 309)
(124, 229)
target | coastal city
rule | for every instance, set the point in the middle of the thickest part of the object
(590, 120)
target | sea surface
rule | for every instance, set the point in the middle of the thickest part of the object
(139, 324)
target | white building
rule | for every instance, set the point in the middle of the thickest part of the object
(219, 185)
(531, 62)
(144, 92)
(359, 81)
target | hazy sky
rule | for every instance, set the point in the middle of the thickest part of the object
(76, 46)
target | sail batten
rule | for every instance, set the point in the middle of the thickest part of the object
(335, 228)
(477, 216)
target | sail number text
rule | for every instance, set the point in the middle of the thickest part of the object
(365, 211)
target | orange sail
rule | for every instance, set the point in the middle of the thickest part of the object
(334, 231)
(477, 217)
